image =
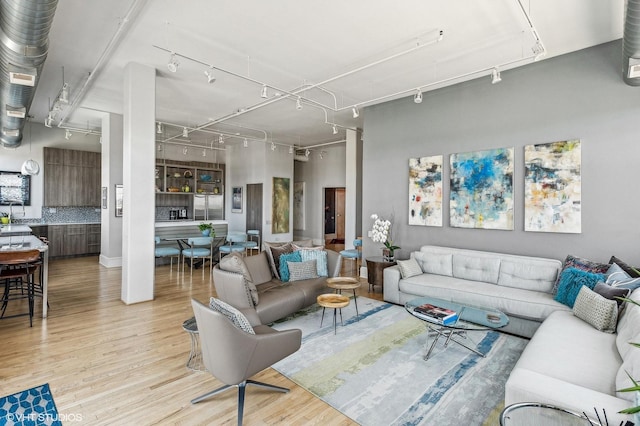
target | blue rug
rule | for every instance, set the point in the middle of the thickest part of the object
(373, 370)
(33, 406)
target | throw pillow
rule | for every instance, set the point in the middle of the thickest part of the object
(234, 315)
(619, 278)
(596, 310)
(320, 256)
(285, 258)
(633, 272)
(409, 268)
(274, 253)
(234, 262)
(611, 293)
(302, 270)
(571, 280)
(583, 265)
(297, 247)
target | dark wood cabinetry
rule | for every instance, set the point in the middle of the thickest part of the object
(93, 239)
(74, 240)
(71, 178)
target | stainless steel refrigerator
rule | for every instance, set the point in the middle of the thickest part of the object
(208, 207)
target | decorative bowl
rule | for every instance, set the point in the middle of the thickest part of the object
(177, 175)
(173, 189)
(205, 178)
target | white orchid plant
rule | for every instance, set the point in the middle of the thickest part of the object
(381, 232)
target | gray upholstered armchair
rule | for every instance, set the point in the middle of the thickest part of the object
(233, 355)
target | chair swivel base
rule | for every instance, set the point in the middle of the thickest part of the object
(241, 390)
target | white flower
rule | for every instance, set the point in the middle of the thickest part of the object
(374, 216)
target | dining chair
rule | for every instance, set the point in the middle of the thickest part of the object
(17, 269)
(199, 248)
(169, 252)
(354, 254)
(235, 244)
(253, 235)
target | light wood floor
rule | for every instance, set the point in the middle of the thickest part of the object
(108, 363)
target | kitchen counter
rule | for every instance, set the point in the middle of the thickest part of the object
(14, 229)
(173, 223)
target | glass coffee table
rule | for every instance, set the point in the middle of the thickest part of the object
(535, 413)
(470, 318)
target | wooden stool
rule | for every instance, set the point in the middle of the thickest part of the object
(335, 301)
(345, 283)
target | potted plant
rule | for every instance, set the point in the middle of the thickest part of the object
(207, 229)
(381, 233)
(4, 218)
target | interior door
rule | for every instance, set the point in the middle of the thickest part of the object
(340, 197)
(334, 215)
(254, 207)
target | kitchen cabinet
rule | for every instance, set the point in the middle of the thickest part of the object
(93, 238)
(71, 178)
(74, 239)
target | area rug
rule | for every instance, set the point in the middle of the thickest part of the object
(373, 370)
(33, 406)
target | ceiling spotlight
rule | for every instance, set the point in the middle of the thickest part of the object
(291, 149)
(185, 150)
(263, 94)
(335, 129)
(273, 146)
(298, 104)
(47, 121)
(159, 147)
(495, 76)
(245, 143)
(159, 127)
(418, 97)
(64, 94)
(322, 153)
(355, 111)
(173, 63)
(204, 153)
(210, 77)
(538, 50)
(221, 140)
(307, 153)
(185, 132)
(68, 134)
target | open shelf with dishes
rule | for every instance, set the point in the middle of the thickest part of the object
(188, 179)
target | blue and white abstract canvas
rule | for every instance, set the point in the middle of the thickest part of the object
(481, 193)
(425, 191)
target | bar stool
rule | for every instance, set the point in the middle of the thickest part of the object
(169, 252)
(17, 269)
(354, 254)
(199, 248)
(253, 240)
(235, 240)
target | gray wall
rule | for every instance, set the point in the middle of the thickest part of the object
(579, 95)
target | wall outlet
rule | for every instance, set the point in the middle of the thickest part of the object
(52, 210)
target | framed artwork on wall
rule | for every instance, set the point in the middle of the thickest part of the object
(280, 206)
(552, 187)
(481, 189)
(425, 191)
(299, 206)
(236, 199)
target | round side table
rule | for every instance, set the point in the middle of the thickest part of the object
(375, 266)
(345, 283)
(334, 301)
(195, 355)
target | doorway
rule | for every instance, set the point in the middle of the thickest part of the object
(254, 208)
(334, 200)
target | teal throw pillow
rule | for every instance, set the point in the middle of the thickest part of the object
(320, 256)
(284, 268)
(570, 283)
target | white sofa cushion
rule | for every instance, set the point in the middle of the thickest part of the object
(628, 325)
(476, 268)
(630, 366)
(529, 274)
(439, 264)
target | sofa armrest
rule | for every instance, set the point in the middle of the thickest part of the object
(391, 286)
(231, 288)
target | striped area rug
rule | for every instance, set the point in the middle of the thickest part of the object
(373, 371)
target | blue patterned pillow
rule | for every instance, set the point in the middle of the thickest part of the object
(320, 256)
(619, 278)
(571, 280)
(284, 268)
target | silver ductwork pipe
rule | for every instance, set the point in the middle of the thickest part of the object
(24, 43)
(631, 44)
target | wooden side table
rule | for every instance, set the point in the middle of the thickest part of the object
(334, 301)
(375, 266)
(345, 283)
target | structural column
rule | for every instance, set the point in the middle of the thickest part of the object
(111, 229)
(138, 224)
(353, 187)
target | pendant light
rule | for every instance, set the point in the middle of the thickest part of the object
(30, 167)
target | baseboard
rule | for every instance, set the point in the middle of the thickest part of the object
(110, 262)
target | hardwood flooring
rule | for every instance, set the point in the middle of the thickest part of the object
(108, 363)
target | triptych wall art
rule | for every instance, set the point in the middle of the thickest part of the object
(481, 189)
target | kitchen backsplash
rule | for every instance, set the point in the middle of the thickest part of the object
(68, 215)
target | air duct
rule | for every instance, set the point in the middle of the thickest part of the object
(631, 44)
(24, 43)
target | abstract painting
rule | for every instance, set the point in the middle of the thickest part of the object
(280, 207)
(482, 189)
(425, 191)
(552, 187)
(298, 206)
(236, 199)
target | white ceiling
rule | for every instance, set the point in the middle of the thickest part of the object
(290, 44)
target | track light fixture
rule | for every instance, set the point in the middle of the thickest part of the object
(495, 76)
(185, 150)
(64, 94)
(355, 111)
(538, 50)
(210, 77)
(263, 93)
(335, 129)
(48, 120)
(245, 143)
(307, 153)
(173, 63)
(159, 128)
(273, 146)
(299, 104)
(159, 147)
(204, 152)
(185, 132)
(322, 153)
(221, 140)
(291, 149)
(68, 134)
(418, 97)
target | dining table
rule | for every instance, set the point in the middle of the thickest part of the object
(29, 242)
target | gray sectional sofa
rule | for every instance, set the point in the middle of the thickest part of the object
(519, 286)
